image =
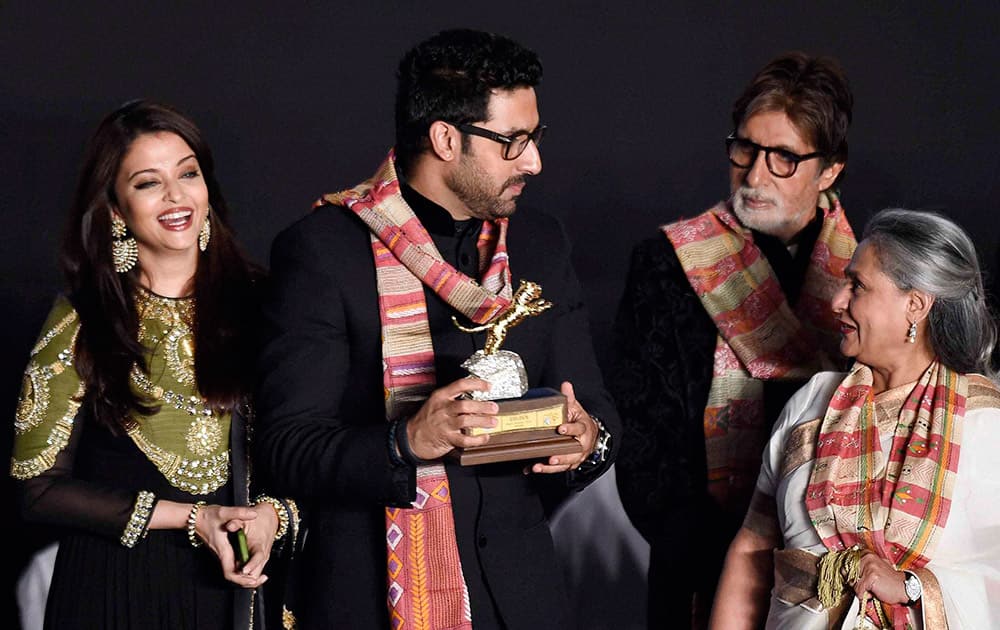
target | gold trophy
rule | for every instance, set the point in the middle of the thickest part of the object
(528, 419)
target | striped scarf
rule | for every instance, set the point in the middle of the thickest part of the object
(895, 504)
(425, 585)
(760, 337)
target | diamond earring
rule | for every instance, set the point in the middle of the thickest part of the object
(206, 232)
(124, 251)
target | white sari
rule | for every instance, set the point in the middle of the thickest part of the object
(966, 561)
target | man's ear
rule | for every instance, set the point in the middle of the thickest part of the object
(446, 141)
(829, 175)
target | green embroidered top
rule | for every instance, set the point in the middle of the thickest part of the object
(185, 440)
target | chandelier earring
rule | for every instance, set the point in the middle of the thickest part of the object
(206, 231)
(911, 333)
(124, 251)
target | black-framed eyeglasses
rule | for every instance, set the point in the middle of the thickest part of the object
(513, 146)
(781, 162)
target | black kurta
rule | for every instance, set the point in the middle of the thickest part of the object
(90, 490)
(665, 345)
(322, 427)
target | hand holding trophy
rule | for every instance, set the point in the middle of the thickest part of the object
(527, 419)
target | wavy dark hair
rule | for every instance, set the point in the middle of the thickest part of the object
(815, 95)
(931, 253)
(450, 77)
(107, 345)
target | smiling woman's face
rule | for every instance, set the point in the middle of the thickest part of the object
(872, 312)
(162, 196)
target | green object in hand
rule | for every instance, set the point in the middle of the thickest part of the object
(241, 548)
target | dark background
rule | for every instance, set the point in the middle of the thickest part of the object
(296, 101)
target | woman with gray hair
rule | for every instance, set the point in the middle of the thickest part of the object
(876, 502)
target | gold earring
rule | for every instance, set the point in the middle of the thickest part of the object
(911, 333)
(124, 251)
(206, 232)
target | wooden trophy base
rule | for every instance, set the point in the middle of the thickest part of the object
(527, 429)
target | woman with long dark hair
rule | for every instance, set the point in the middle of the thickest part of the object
(131, 429)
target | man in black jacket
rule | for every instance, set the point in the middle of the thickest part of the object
(362, 394)
(724, 316)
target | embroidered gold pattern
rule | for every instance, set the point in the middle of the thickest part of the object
(166, 325)
(35, 397)
(137, 524)
(33, 401)
(176, 315)
(168, 311)
(57, 441)
(192, 455)
(52, 334)
(204, 436)
(195, 476)
(293, 507)
(179, 347)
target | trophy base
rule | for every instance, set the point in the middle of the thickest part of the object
(527, 429)
(531, 444)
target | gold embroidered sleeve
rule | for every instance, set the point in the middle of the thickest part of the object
(50, 395)
(288, 516)
(138, 522)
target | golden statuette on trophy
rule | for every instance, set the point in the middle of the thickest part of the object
(528, 418)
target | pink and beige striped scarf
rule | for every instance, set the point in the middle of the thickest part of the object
(760, 337)
(894, 503)
(425, 585)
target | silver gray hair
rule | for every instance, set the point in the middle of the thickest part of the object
(930, 253)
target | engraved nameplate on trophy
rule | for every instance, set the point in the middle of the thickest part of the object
(527, 419)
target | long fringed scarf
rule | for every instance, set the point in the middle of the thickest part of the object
(425, 585)
(897, 503)
(760, 337)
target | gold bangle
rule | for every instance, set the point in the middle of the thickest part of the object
(280, 510)
(138, 523)
(192, 522)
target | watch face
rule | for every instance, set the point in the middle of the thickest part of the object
(912, 586)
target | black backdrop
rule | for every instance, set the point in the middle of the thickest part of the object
(296, 100)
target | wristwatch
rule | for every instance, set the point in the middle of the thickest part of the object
(602, 446)
(913, 588)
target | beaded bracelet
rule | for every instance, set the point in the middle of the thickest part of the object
(192, 522)
(280, 510)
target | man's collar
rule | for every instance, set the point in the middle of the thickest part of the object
(808, 234)
(435, 219)
(802, 242)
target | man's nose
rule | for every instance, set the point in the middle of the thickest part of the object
(530, 162)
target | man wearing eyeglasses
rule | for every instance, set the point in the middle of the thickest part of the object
(724, 316)
(362, 392)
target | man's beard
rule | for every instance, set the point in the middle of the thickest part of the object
(772, 220)
(473, 188)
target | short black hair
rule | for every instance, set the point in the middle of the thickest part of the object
(450, 77)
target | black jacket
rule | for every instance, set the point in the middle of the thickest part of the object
(323, 432)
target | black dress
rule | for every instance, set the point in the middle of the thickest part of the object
(100, 485)
(162, 582)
